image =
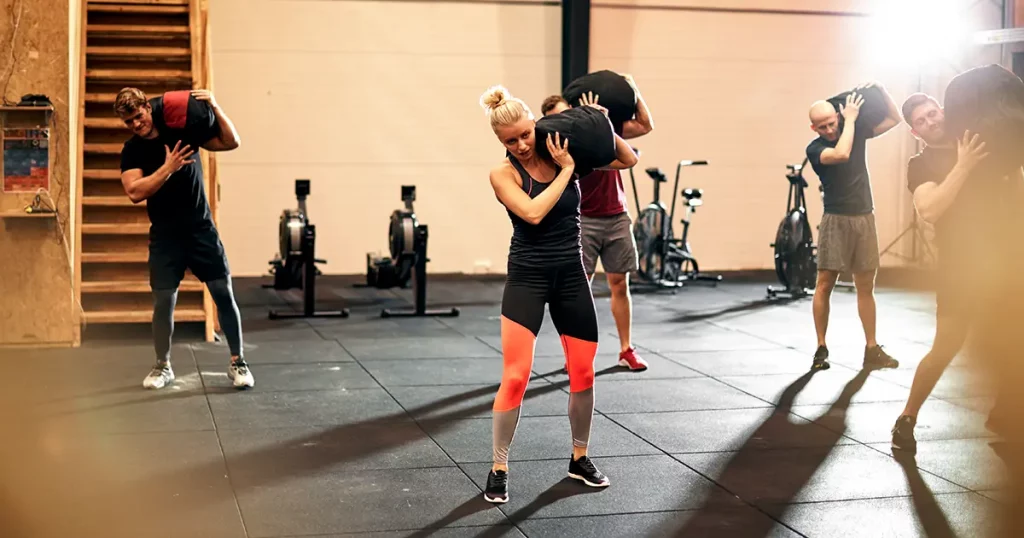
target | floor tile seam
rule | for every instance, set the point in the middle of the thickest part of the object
(702, 475)
(413, 530)
(220, 448)
(909, 497)
(643, 412)
(715, 323)
(420, 426)
(280, 363)
(496, 355)
(917, 465)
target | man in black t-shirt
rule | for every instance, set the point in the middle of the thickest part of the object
(847, 240)
(159, 165)
(938, 178)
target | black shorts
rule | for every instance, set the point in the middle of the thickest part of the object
(201, 251)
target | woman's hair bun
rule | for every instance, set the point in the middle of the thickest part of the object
(494, 97)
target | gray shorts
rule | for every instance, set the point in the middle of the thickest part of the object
(611, 240)
(847, 243)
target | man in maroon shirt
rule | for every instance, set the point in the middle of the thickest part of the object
(607, 228)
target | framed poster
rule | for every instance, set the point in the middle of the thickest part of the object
(26, 159)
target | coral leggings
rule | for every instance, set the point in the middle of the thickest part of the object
(566, 292)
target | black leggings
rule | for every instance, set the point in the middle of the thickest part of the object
(227, 310)
(565, 289)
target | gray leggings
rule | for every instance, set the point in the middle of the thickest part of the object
(227, 310)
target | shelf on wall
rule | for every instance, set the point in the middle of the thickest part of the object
(22, 215)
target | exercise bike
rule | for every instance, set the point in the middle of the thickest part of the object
(796, 261)
(294, 267)
(407, 239)
(664, 261)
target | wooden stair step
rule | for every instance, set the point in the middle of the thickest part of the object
(128, 256)
(121, 228)
(101, 98)
(136, 286)
(110, 201)
(104, 123)
(150, 8)
(132, 52)
(137, 74)
(104, 148)
(141, 316)
(135, 30)
(104, 174)
(161, 2)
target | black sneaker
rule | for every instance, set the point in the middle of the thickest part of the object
(876, 358)
(903, 435)
(821, 359)
(497, 487)
(584, 469)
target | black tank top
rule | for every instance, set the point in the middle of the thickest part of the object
(556, 238)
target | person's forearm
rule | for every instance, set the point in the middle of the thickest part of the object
(893, 111)
(643, 114)
(933, 203)
(541, 205)
(642, 124)
(228, 134)
(844, 147)
(624, 154)
(146, 186)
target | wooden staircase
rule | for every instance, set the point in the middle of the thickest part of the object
(154, 45)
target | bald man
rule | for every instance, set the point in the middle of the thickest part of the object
(847, 240)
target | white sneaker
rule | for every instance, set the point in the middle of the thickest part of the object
(240, 375)
(161, 376)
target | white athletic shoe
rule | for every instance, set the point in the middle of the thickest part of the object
(240, 375)
(158, 378)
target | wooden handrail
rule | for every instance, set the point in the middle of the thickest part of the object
(202, 78)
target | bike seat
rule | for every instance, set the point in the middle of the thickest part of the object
(691, 194)
(794, 168)
(656, 174)
(693, 163)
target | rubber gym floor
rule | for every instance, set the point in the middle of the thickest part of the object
(380, 428)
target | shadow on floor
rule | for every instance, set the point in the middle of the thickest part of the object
(775, 431)
(341, 444)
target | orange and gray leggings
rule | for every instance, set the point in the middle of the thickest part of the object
(566, 291)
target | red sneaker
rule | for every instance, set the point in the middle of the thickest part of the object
(629, 359)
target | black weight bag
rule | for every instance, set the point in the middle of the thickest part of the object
(989, 101)
(179, 110)
(613, 93)
(872, 111)
(590, 135)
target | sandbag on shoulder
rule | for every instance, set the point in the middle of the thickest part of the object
(613, 92)
(989, 102)
(179, 110)
(873, 110)
(590, 135)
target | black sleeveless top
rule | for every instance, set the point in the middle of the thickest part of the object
(556, 238)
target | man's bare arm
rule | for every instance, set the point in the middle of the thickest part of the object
(892, 115)
(643, 123)
(228, 139)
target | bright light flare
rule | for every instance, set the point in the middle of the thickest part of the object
(917, 33)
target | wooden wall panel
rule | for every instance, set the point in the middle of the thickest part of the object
(36, 291)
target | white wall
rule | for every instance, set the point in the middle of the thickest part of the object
(365, 96)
